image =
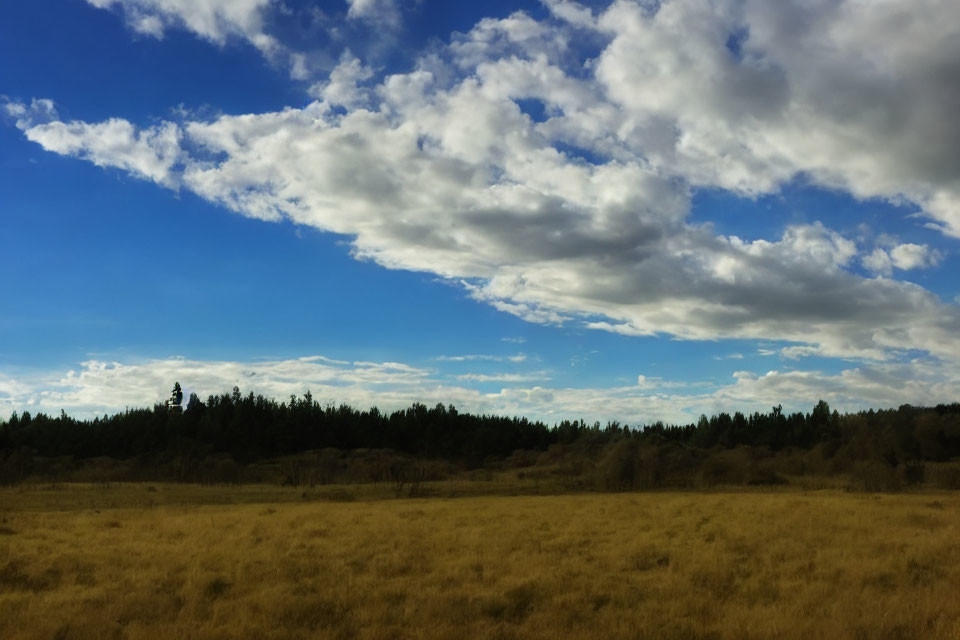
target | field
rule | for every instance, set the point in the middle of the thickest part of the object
(165, 561)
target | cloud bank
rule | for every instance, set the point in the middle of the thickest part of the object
(99, 387)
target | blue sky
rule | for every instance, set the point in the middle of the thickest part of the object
(610, 210)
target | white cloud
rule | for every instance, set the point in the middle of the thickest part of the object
(646, 383)
(100, 387)
(903, 256)
(149, 153)
(890, 385)
(572, 12)
(914, 256)
(214, 20)
(342, 88)
(584, 216)
(299, 68)
(110, 386)
(799, 351)
(260, 23)
(535, 376)
(879, 262)
(520, 357)
(39, 111)
(740, 94)
(381, 12)
(855, 95)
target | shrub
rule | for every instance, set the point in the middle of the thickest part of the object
(876, 476)
(914, 472)
(15, 466)
(947, 477)
(619, 469)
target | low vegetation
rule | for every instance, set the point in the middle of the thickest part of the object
(184, 561)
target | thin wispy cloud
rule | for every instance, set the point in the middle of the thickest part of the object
(537, 376)
(482, 357)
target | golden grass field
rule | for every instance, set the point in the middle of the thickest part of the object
(164, 561)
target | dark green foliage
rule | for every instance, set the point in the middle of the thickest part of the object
(252, 427)
(215, 440)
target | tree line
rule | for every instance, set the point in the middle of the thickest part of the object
(249, 428)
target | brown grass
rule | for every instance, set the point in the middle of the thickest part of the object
(658, 565)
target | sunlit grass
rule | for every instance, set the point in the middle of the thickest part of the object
(657, 565)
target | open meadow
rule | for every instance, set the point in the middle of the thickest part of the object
(168, 561)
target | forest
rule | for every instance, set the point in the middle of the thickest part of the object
(220, 438)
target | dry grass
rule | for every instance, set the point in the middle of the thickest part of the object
(659, 565)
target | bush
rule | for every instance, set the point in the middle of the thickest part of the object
(914, 472)
(876, 476)
(15, 466)
(225, 471)
(947, 477)
(758, 475)
(619, 469)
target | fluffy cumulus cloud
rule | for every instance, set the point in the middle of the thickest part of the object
(215, 20)
(344, 86)
(902, 256)
(100, 387)
(578, 209)
(914, 256)
(857, 95)
(148, 153)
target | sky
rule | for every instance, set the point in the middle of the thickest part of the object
(629, 210)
